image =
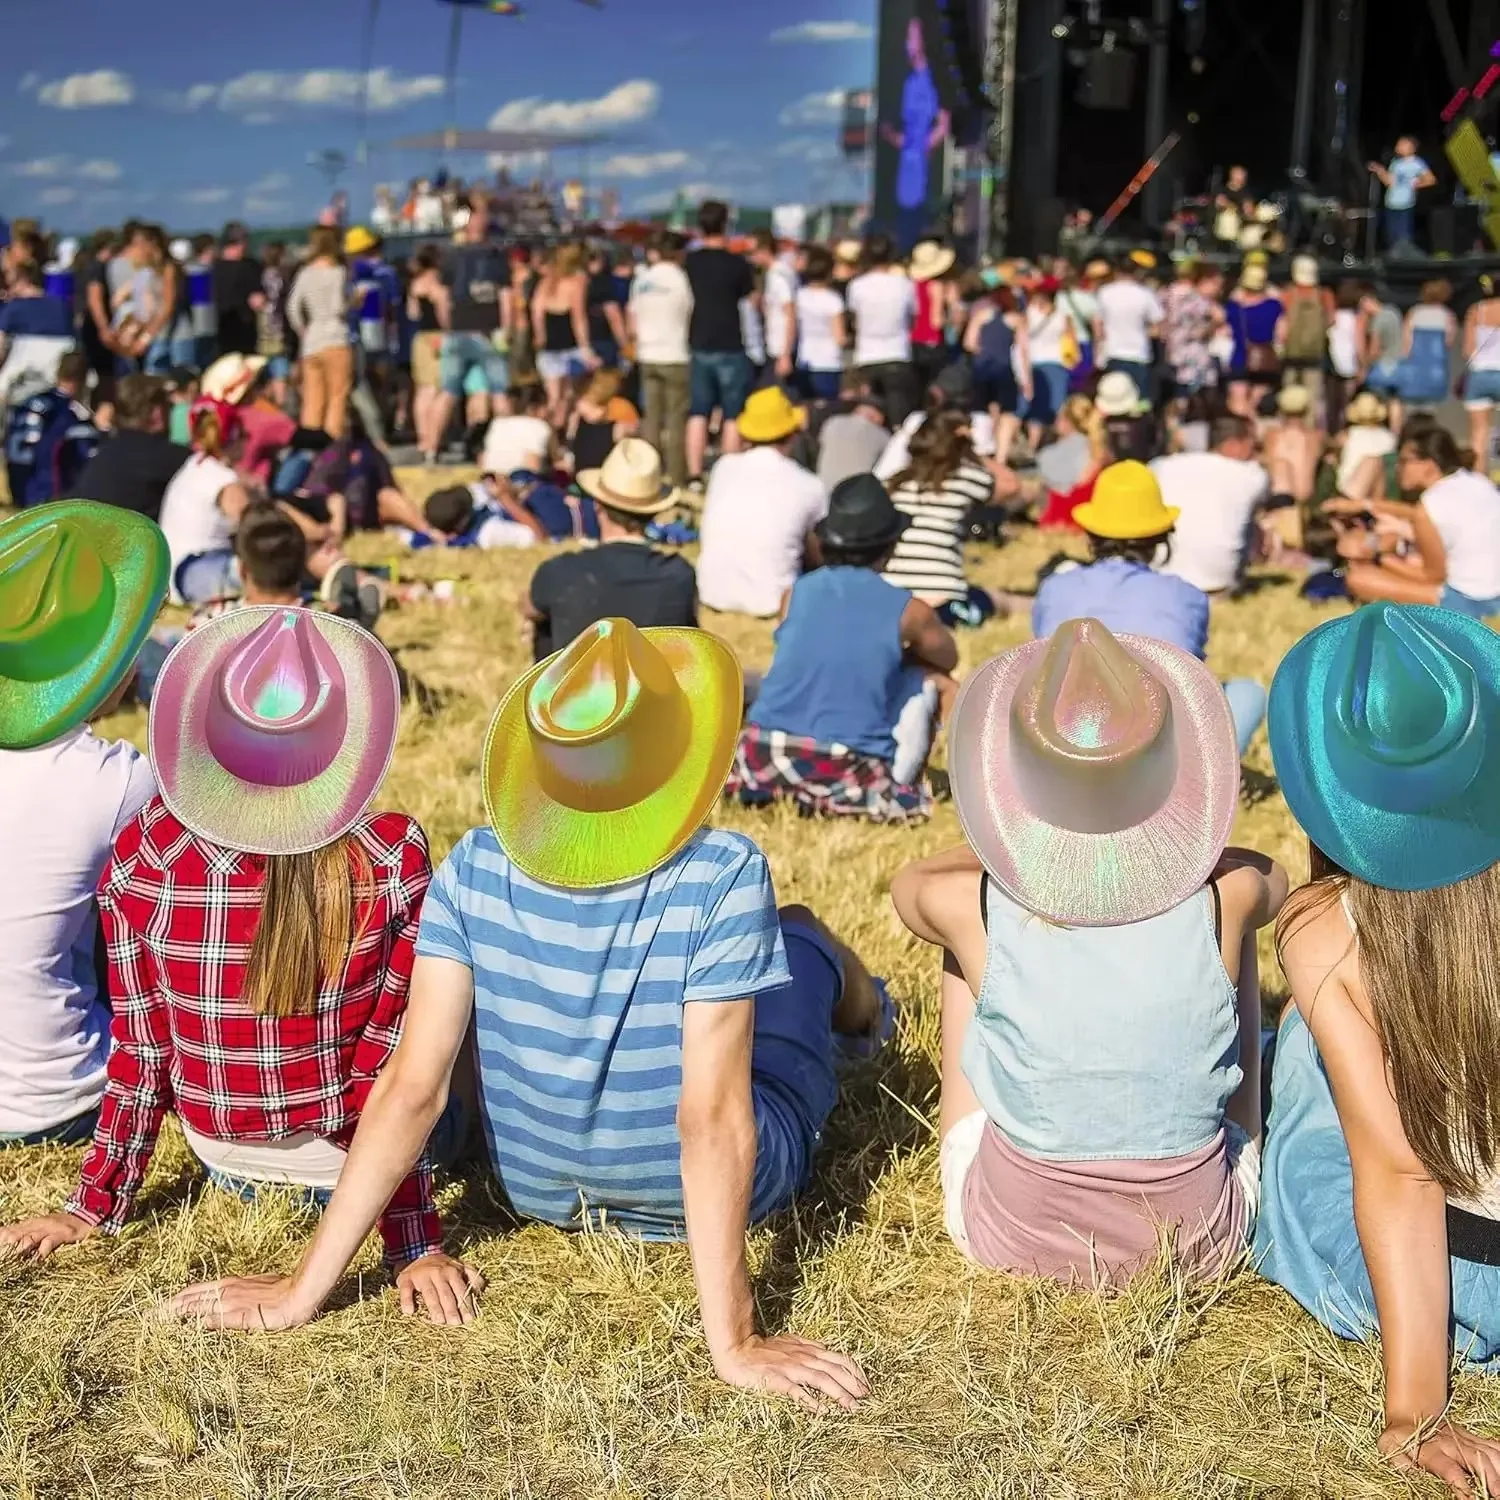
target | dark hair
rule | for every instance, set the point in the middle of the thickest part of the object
(854, 557)
(26, 270)
(819, 265)
(235, 233)
(765, 240)
(668, 243)
(880, 250)
(137, 398)
(1347, 295)
(1437, 293)
(201, 242)
(324, 242)
(450, 510)
(626, 518)
(1229, 428)
(73, 368)
(271, 550)
(101, 240)
(427, 258)
(713, 218)
(272, 255)
(1431, 441)
(1142, 549)
(527, 398)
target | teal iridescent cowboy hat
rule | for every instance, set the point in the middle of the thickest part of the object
(1385, 732)
(80, 585)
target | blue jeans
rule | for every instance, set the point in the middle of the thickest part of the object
(1400, 226)
(820, 385)
(1247, 705)
(1140, 373)
(70, 1133)
(1049, 389)
(1463, 604)
(720, 380)
(207, 576)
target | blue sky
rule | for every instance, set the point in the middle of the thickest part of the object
(153, 109)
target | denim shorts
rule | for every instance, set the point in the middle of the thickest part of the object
(1384, 378)
(820, 385)
(465, 352)
(722, 381)
(1482, 389)
(553, 364)
(1463, 604)
(207, 576)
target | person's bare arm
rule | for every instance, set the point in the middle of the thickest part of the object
(1380, 172)
(616, 321)
(716, 1126)
(926, 639)
(579, 309)
(510, 503)
(1426, 180)
(979, 318)
(1023, 357)
(233, 499)
(403, 1106)
(940, 130)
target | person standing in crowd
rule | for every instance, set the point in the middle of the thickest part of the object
(51, 437)
(429, 310)
(997, 340)
(659, 318)
(1431, 331)
(478, 282)
(820, 328)
(273, 345)
(523, 281)
(137, 460)
(1403, 178)
(1481, 388)
(36, 330)
(930, 270)
(65, 796)
(759, 514)
(1307, 317)
(318, 310)
(1253, 312)
(1049, 351)
(1347, 338)
(95, 336)
(239, 292)
(560, 324)
(624, 577)
(777, 262)
(722, 376)
(1192, 315)
(883, 302)
(602, 301)
(1130, 317)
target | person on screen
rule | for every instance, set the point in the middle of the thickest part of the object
(924, 127)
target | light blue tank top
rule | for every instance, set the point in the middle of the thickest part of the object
(1104, 1043)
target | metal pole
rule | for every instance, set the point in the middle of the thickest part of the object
(455, 37)
(1000, 73)
(1302, 112)
(1156, 206)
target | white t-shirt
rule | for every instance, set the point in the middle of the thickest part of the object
(1045, 331)
(661, 302)
(779, 293)
(818, 308)
(1465, 508)
(1217, 497)
(61, 806)
(512, 443)
(884, 305)
(758, 511)
(1127, 310)
(191, 519)
(1360, 443)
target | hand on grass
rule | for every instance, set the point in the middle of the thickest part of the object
(808, 1373)
(1457, 1457)
(38, 1238)
(265, 1304)
(444, 1289)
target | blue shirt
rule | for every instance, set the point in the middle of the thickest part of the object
(1404, 170)
(838, 662)
(919, 112)
(578, 998)
(1128, 598)
(37, 317)
(51, 438)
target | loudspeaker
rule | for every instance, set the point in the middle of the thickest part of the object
(1108, 78)
(1442, 230)
(955, 53)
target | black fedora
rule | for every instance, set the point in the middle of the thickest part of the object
(860, 516)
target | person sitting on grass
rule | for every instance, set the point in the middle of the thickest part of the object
(844, 720)
(624, 577)
(1130, 531)
(260, 923)
(561, 515)
(202, 506)
(92, 578)
(656, 1041)
(1380, 1210)
(1096, 782)
(484, 514)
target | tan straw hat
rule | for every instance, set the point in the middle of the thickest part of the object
(930, 260)
(630, 480)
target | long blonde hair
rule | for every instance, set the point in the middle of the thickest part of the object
(1087, 419)
(307, 926)
(1427, 964)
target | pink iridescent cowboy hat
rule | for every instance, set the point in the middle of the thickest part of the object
(272, 728)
(1095, 776)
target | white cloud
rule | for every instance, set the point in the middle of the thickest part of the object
(627, 104)
(41, 166)
(88, 90)
(815, 109)
(272, 182)
(263, 208)
(646, 164)
(261, 93)
(58, 194)
(808, 148)
(99, 169)
(824, 31)
(29, 82)
(520, 164)
(205, 195)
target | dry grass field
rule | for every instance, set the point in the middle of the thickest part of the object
(586, 1374)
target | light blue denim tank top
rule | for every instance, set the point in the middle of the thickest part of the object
(1104, 1043)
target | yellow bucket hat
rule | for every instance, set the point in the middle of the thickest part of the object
(604, 760)
(1126, 505)
(769, 416)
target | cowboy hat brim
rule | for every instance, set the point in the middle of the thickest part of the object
(1087, 879)
(590, 481)
(136, 555)
(900, 522)
(226, 810)
(564, 846)
(220, 388)
(929, 269)
(1400, 851)
(1095, 520)
(753, 432)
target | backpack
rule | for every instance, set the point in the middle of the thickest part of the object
(1307, 330)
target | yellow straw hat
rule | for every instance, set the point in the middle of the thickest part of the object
(1126, 505)
(769, 417)
(604, 760)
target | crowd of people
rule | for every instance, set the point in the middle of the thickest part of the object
(596, 997)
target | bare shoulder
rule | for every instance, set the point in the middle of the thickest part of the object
(1319, 954)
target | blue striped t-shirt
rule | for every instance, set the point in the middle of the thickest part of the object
(578, 999)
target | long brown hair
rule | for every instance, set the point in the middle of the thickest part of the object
(939, 448)
(1427, 964)
(309, 906)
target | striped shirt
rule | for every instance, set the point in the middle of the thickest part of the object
(578, 1000)
(929, 558)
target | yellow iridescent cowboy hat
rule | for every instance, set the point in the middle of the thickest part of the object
(80, 585)
(604, 760)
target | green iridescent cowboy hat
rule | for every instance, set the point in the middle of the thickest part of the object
(80, 585)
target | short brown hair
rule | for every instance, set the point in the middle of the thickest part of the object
(1437, 292)
(137, 398)
(271, 549)
(323, 243)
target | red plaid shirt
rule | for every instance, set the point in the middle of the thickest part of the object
(179, 916)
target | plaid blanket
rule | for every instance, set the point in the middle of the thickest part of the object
(826, 779)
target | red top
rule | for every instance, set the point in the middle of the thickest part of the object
(267, 432)
(179, 917)
(927, 330)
